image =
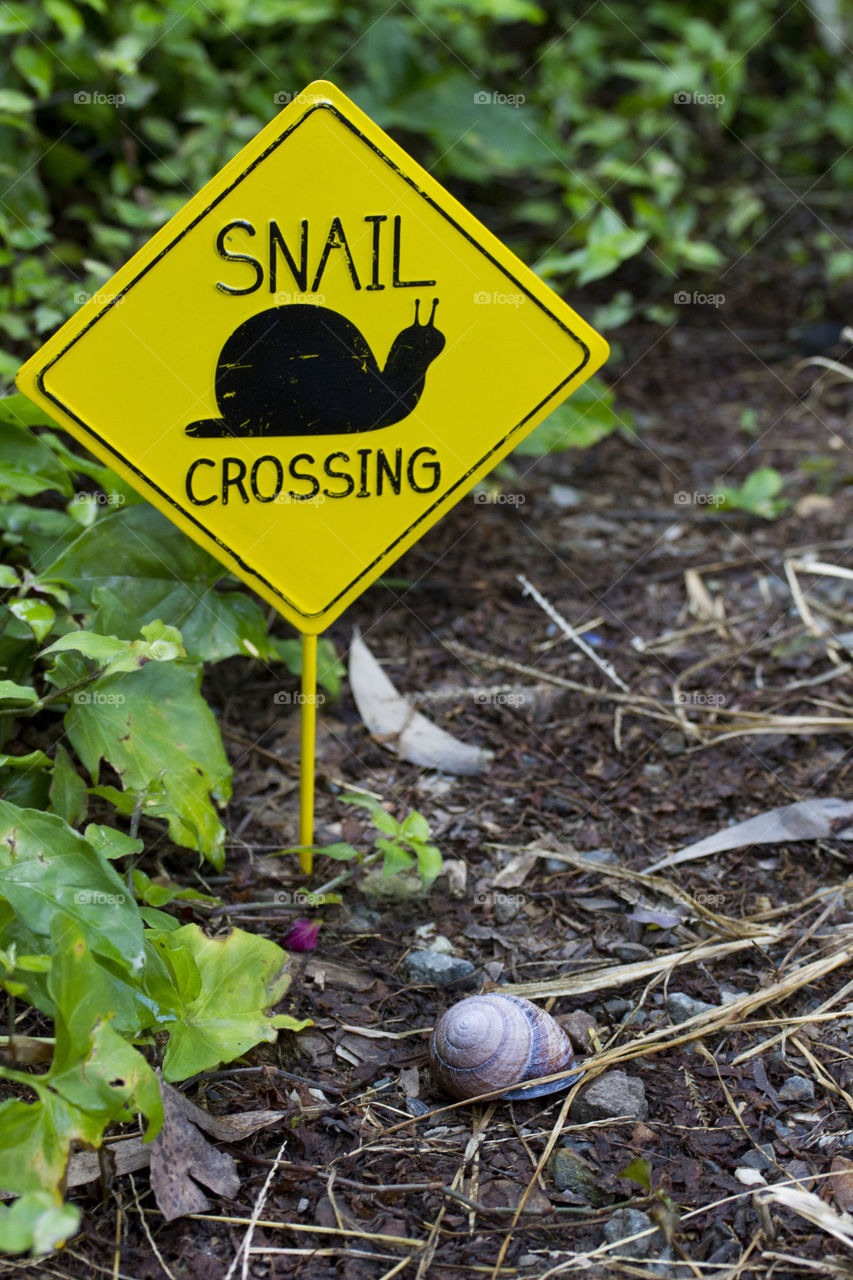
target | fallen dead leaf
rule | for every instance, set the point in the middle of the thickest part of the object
(399, 726)
(181, 1158)
(804, 820)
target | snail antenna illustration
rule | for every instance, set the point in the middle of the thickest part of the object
(305, 370)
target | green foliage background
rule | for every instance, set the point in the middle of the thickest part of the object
(598, 166)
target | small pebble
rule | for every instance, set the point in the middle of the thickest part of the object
(761, 1158)
(577, 1027)
(613, 1094)
(431, 968)
(627, 1222)
(571, 1172)
(797, 1089)
(681, 1007)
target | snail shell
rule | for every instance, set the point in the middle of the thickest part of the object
(486, 1042)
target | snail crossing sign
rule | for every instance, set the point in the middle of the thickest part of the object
(314, 359)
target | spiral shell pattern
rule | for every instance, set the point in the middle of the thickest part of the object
(493, 1041)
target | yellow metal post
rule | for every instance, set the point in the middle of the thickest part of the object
(306, 764)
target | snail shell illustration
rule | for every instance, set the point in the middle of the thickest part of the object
(485, 1042)
(301, 370)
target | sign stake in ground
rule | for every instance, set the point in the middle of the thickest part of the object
(316, 358)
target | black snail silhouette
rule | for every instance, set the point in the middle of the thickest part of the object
(302, 370)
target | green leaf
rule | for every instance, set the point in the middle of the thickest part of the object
(157, 893)
(69, 799)
(35, 1139)
(47, 869)
(38, 615)
(35, 1222)
(241, 976)
(112, 844)
(12, 692)
(133, 566)
(93, 1067)
(639, 1171)
(33, 760)
(429, 863)
(584, 419)
(36, 66)
(12, 100)
(27, 466)
(156, 730)
(121, 655)
(757, 495)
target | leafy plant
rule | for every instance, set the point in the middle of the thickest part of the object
(106, 621)
(757, 495)
(401, 845)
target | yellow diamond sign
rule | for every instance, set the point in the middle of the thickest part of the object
(314, 360)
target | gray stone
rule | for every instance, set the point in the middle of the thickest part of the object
(759, 1158)
(571, 1172)
(630, 952)
(797, 1089)
(613, 1094)
(431, 968)
(577, 1027)
(627, 1222)
(680, 1007)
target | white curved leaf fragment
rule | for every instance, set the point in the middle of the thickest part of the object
(397, 724)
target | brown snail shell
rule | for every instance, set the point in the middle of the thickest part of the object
(486, 1042)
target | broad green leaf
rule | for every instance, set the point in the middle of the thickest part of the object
(584, 419)
(35, 1222)
(122, 655)
(154, 727)
(33, 760)
(133, 566)
(27, 466)
(68, 796)
(93, 1067)
(242, 975)
(12, 692)
(46, 869)
(110, 843)
(35, 1139)
(38, 615)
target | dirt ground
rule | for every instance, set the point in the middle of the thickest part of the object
(703, 626)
